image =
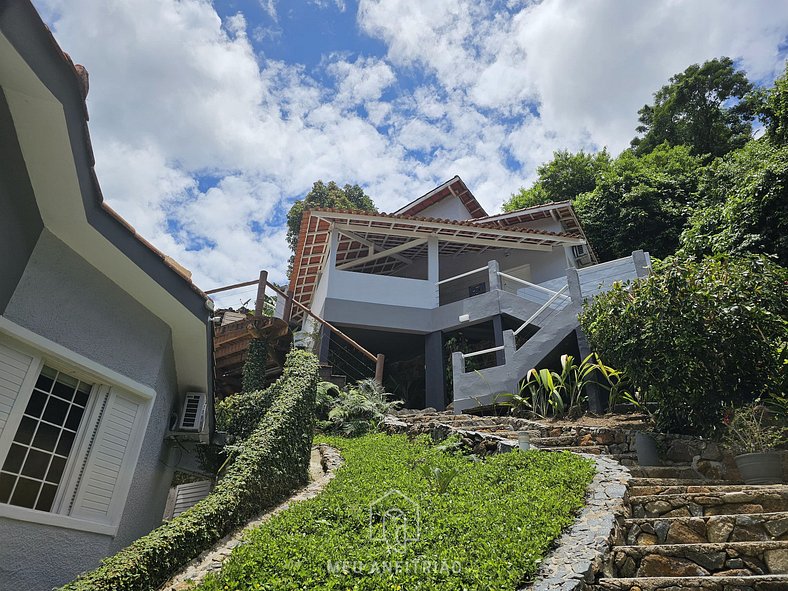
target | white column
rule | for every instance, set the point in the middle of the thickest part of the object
(433, 269)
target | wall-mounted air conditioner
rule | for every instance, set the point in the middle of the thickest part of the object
(192, 417)
(579, 250)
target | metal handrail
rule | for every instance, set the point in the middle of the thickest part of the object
(542, 309)
(482, 352)
(534, 285)
(442, 281)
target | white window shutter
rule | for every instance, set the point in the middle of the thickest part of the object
(15, 368)
(112, 457)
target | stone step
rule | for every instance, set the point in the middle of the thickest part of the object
(562, 441)
(727, 583)
(639, 490)
(585, 449)
(768, 499)
(713, 529)
(685, 472)
(698, 560)
(639, 481)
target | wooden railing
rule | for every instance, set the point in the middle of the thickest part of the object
(263, 282)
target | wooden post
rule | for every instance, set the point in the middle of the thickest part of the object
(288, 306)
(379, 368)
(259, 305)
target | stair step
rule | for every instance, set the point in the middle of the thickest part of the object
(713, 529)
(727, 583)
(672, 489)
(562, 441)
(699, 560)
(584, 449)
(640, 481)
(664, 472)
(766, 499)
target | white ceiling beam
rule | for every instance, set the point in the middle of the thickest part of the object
(384, 253)
(374, 247)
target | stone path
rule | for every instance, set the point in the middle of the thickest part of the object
(322, 468)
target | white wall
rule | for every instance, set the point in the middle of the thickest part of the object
(381, 289)
(451, 208)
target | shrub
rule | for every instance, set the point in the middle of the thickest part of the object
(753, 429)
(239, 414)
(696, 337)
(495, 522)
(253, 378)
(274, 461)
(359, 409)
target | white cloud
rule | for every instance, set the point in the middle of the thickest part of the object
(178, 94)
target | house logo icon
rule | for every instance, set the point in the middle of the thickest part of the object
(394, 519)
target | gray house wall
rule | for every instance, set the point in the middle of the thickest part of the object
(20, 221)
(66, 300)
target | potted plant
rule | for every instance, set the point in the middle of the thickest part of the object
(754, 436)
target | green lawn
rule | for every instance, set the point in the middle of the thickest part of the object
(487, 531)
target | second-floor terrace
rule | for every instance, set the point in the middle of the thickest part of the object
(419, 274)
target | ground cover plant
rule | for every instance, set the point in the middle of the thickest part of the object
(486, 527)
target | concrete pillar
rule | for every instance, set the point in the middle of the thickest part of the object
(435, 387)
(433, 267)
(641, 264)
(500, 357)
(325, 342)
(494, 280)
(573, 281)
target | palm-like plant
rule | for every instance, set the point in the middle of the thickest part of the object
(360, 409)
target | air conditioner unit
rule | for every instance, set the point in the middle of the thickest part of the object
(193, 413)
(579, 250)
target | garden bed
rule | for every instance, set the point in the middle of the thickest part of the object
(381, 524)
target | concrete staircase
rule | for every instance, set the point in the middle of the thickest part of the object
(681, 532)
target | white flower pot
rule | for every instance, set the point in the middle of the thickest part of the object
(761, 467)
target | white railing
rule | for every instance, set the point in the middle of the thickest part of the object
(466, 274)
(546, 305)
(532, 285)
(482, 352)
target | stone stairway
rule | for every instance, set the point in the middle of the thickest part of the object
(681, 531)
(684, 534)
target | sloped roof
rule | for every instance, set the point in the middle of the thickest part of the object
(454, 187)
(363, 232)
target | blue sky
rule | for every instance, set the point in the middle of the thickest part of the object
(209, 118)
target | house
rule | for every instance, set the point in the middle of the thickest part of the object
(101, 335)
(439, 275)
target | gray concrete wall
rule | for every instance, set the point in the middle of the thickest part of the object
(20, 221)
(66, 300)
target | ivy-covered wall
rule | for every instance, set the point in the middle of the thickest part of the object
(274, 460)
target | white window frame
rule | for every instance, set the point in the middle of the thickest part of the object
(105, 380)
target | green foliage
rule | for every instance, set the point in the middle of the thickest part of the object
(641, 203)
(565, 177)
(744, 209)
(274, 461)
(239, 414)
(545, 392)
(359, 409)
(706, 107)
(254, 378)
(696, 336)
(496, 521)
(753, 429)
(775, 109)
(439, 478)
(322, 195)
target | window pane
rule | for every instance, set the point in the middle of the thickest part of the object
(46, 498)
(36, 464)
(82, 397)
(6, 486)
(66, 441)
(44, 383)
(25, 493)
(63, 391)
(74, 417)
(36, 404)
(16, 455)
(26, 429)
(56, 469)
(46, 437)
(56, 410)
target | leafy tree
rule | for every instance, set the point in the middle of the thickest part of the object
(325, 195)
(774, 111)
(744, 209)
(707, 107)
(566, 176)
(696, 337)
(641, 203)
